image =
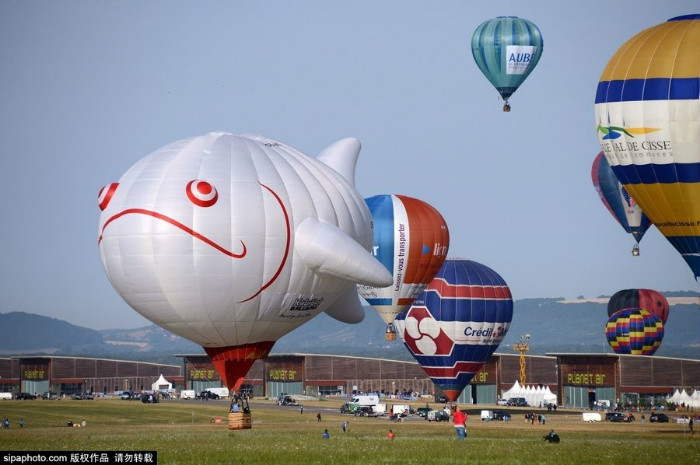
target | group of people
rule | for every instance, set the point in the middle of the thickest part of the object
(6, 423)
(326, 435)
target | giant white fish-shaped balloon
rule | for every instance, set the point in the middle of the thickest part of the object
(232, 241)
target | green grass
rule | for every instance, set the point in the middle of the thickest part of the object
(182, 433)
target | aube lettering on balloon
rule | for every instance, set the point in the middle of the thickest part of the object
(232, 241)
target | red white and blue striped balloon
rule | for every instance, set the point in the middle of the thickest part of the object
(457, 323)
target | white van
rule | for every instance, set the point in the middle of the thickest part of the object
(187, 394)
(590, 416)
(221, 392)
(5, 396)
(486, 415)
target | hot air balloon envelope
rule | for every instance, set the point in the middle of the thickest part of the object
(646, 109)
(457, 323)
(650, 300)
(634, 331)
(411, 240)
(506, 49)
(233, 241)
(617, 200)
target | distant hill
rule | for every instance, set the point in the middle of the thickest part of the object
(555, 325)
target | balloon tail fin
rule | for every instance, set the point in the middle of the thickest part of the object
(233, 362)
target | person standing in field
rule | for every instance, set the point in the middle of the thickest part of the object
(460, 424)
(390, 435)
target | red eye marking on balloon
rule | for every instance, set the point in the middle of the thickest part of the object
(106, 194)
(201, 193)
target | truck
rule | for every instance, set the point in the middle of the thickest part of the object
(361, 401)
(187, 394)
(221, 392)
(401, 409)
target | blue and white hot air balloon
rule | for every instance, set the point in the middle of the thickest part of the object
(618, 201)
(457, 323)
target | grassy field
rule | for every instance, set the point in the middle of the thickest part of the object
(182, 432)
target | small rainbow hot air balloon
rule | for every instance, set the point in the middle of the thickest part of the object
(634, 331)
(411, 240)
(457, 323)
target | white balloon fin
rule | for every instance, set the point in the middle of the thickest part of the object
(348, 308)
(342, 157)
(329, 251)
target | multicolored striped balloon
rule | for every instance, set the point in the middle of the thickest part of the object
(411, 240)
(634, 331)
(618, 201)
(506, 49)
(457, 323)
(646, 109)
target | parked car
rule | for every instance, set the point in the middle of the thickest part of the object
(423, 411)
(501, 415)
(658, 418)
(614, 417)
(437, 415)
(149, 398)
(441, 399)
(208, 395)
(517, 402)
(502, 402)
(365, 411)
(49, 395)
(83, 396)
(25, 396)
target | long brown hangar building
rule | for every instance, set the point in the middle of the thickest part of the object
(337, 375)
(578, 380)
(71, 375)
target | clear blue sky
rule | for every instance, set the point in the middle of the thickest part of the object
(87, 88)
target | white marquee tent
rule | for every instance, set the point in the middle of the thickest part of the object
(162, 384)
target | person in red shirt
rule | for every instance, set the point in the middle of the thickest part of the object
(390, 434)
(460, 423)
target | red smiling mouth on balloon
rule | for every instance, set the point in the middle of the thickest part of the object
(177, 224)
(206, 240)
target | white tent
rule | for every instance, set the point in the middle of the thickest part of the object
(515, 391)
(695, 399)
(162, 384)
(548, 397)
(674, 398)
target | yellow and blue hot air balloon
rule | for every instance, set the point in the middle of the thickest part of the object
(618, 201)
(507, 49)
(647, 111)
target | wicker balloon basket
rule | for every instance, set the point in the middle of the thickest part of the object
(239, 420)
